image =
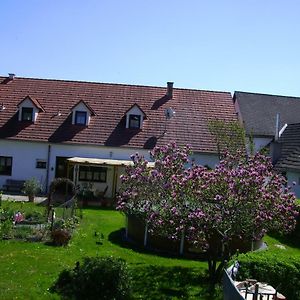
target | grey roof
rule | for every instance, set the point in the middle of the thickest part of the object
(259, 111)
(290, 148)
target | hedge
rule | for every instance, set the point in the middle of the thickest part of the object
(277, 269)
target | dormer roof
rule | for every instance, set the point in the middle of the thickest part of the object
(87, 106)
(34, 101)
(136, 105)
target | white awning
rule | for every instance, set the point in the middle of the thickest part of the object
(103, 161)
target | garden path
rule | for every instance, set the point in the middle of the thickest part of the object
(22, 198)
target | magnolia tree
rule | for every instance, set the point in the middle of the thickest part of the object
(241, 199)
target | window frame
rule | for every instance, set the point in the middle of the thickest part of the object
(130, 118)
(93, 171)
(77, 113)
(41, 164)
(7, 167)
(26, 112)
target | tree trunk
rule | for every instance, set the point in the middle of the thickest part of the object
(216, 261)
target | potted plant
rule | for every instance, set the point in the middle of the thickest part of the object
(31, 188)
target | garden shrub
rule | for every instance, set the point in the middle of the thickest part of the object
(96, 278)
(60, 237)
(31, 188)
(6, 229)
(34, 217)
(22, 232)
(282, 272)
(62, 231)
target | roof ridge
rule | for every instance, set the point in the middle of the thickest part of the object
(120, 84)
(265, 94)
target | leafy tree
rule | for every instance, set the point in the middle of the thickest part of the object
(240, 200)
(229, 136)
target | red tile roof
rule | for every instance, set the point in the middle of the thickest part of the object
(194, 108)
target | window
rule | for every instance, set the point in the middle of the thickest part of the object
(5, 165)
(27, 113)
(80, 118)
(134, 121)
(97, 174)
(41, 164)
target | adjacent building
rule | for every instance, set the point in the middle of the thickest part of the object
(265, 116)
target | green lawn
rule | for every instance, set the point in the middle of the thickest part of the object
(29, 269)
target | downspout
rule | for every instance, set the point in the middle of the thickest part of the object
(48, 167)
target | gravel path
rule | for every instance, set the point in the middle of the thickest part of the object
(22, 198)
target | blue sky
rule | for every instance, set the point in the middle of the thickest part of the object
(215, 45)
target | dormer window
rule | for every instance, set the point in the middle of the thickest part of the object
(82, 113)
(80, 118)
(27, 114)
(135, 117)
(29, 108)
(134, 121)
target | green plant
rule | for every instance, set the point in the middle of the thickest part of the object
(60, 236)
(21, 232)
(31, 188)
(6, 229)
(95, 278)
(278, 269)
(34, 217)
(62, 230)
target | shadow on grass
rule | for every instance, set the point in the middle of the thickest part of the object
(159, 282)
(118, 237)
(291, 240)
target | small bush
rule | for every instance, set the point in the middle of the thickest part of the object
(62, 231)
(6, 229)
(23, 233)
(31, 187)
(35, 217)
(60, 236)
(96, 278)
(282, 272)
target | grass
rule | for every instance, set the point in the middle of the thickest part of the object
(29, 269)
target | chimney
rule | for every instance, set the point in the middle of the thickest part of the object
(277, 127)
(11, 76)
(170, 89)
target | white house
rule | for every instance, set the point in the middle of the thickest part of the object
(48, 127)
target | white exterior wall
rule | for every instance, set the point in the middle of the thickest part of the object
(294, 177)
(260, 142)
(210, 160)
(25, 154)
